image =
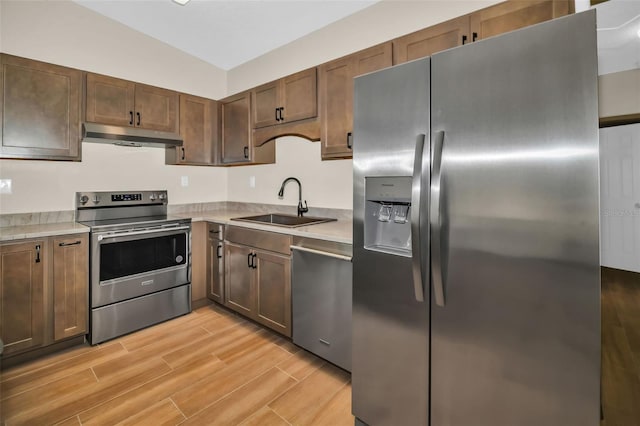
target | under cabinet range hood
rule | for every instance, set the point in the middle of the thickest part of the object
(129, 136)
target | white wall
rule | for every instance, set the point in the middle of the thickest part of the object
(326, 183)
(67, 34)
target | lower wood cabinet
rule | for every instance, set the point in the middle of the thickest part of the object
(70, 286)
(22, 304)
(258, 277)
(44, 287)
(215, 262)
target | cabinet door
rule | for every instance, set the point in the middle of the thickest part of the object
(430, 40)
(513, 15)
(266, 99)
(215, 269)
(236, 128)
(336, 96)
(238, 279)
(198, 128)
(22, 295)
(70, 285)
(299, 96)
(336, 104)
(156, 108)
(273, 291)
(40, 109)
(109, 100)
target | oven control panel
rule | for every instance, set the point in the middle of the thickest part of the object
(86, 200)
(126, 197)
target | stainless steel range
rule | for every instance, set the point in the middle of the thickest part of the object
(140, 261)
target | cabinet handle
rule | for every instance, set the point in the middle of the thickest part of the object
(350, 140)
(38, 253)
(281, 117)
(246, 152)
(75, 243)
(218, 254)
(253, 261)
(214, 232)
(138, 115)
(464, 39)
(277, 119)
(474, 36)
(130, 118)
(182, 148)
(249, 260)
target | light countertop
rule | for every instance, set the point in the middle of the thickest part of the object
(339, 231)
(20, 232)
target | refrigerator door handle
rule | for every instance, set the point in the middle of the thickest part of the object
(416, 202)
(436, 222)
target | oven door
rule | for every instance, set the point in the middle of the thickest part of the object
(135, 262)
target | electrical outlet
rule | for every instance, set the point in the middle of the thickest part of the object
(5, 186)
(252, 181)
(184, 180)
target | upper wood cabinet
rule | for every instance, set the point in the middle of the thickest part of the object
(336, 96)
(200, 132)
(118, 102)
(237, 141)
(430, 40)
(289, 99)
(70, 285)
(22, 277)
(40, 110)
(236, 128)
(513, 15)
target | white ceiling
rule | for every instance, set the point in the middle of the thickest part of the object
(226, 33)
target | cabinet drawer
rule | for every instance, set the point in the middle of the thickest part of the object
(265, 240)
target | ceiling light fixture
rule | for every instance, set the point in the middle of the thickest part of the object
(181, 2)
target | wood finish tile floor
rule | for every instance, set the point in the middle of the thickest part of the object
(620, 348)
(210, 367)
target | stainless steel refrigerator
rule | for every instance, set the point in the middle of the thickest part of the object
(476, 298)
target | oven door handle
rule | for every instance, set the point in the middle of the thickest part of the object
(146, 231)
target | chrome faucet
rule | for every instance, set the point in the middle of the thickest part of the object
(301, 210)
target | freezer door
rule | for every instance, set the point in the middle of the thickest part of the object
(390, 365)
(515, 337)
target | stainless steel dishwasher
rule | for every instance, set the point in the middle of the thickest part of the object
(321, 299)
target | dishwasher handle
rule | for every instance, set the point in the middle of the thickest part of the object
(322, 253)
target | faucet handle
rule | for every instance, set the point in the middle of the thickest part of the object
(302, 210)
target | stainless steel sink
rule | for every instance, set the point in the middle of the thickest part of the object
(285, 220)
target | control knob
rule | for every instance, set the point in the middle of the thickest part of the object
(162, 197)
(152, 197)
(96, 199)
(84, 199)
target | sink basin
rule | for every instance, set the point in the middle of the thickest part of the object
(285, 220)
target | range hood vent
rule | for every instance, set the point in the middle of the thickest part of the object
(129, 136)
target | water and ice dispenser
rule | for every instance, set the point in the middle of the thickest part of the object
(387, 221)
